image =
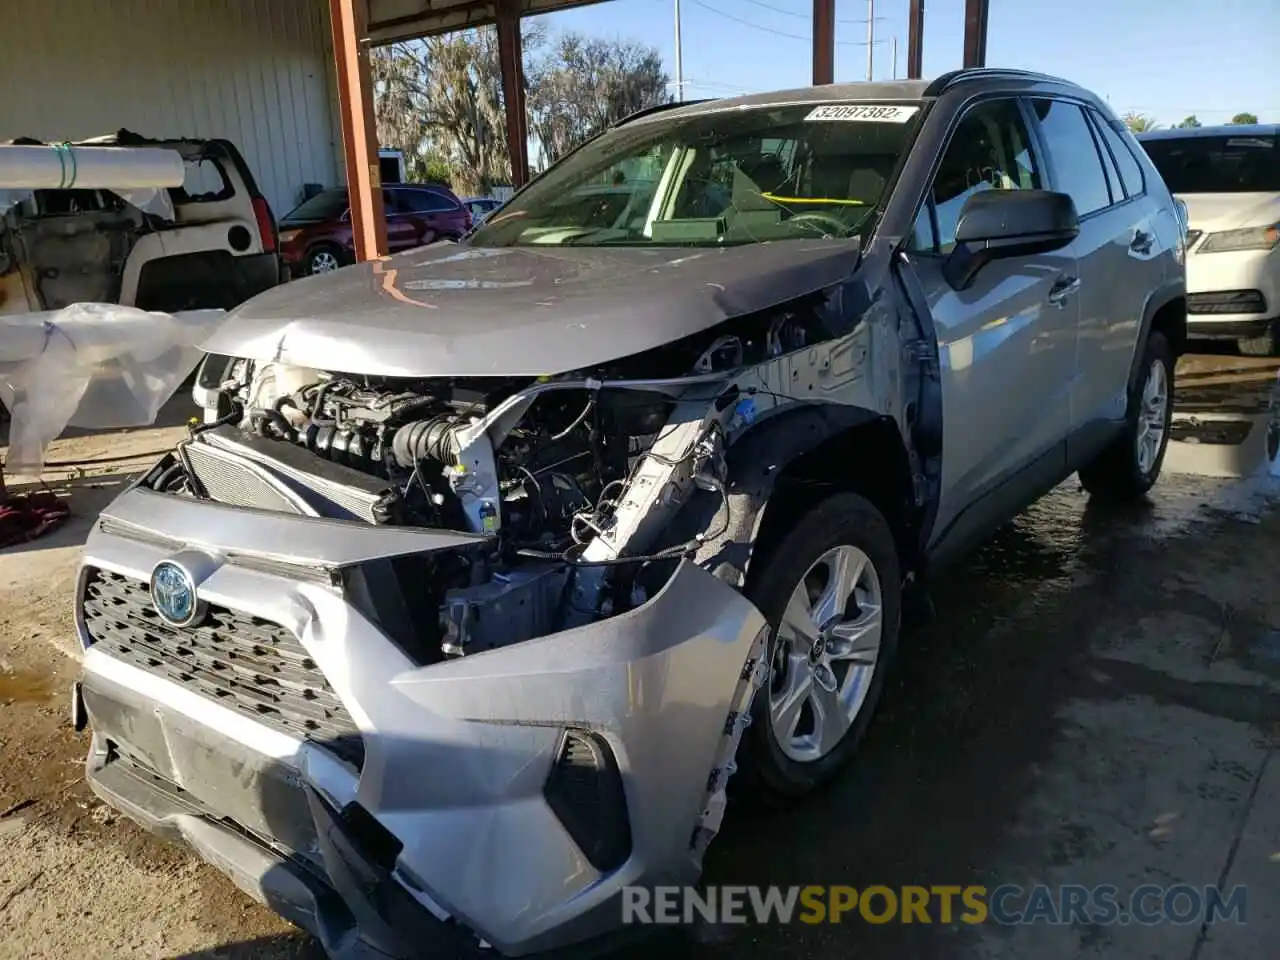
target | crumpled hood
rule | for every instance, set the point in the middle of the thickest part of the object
(1212, 212)
(460, 311)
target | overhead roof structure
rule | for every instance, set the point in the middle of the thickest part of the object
(392, 20)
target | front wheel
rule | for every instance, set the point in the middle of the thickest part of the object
(1130, 466)
(831, 592)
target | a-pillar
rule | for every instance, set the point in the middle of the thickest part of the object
(350, 21)
(824, 42)
(511, 63)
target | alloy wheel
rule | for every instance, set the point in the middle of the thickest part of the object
(1152, 416)
(826, 650)
(323, 261)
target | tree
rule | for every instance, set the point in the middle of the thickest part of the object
(1190, 122)
(584, 85)
(399, 98)
(1139, 122)
(1245, 118)
(440, 101)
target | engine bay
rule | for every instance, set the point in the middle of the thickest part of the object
(569, 482)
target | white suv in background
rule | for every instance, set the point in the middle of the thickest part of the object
(1229, 178)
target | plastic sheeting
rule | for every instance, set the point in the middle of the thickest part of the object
(91, 365)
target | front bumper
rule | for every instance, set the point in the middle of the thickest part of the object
(1232, 294)
(457, 761)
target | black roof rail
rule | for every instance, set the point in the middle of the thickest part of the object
(948, 80)
(660, 107)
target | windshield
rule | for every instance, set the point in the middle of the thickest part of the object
(329, 205)
(721, 177)
(1244, 164)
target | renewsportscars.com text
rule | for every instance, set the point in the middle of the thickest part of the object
(1008, 904)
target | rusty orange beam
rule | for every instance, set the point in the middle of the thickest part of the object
(976, 15)
(350, 22)
(511, 66)
(915, 40)
(824, 42)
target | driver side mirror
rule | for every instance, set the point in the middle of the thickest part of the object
(998, 224)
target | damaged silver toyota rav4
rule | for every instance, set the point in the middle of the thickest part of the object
(492, 562)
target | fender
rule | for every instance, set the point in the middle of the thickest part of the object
(1158, 299)
(754, 465)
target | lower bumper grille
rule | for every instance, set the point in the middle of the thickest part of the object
(250, 665)
(1227, 301)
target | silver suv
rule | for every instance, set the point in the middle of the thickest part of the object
(493, 561)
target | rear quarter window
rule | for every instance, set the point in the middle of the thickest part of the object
(204, 181)
(1130, 169)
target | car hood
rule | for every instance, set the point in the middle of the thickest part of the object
(456, 310)
(1231, 211)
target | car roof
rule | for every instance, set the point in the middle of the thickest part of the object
(1221, 130)
(911, 90)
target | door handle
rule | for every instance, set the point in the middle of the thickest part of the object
(1141, 243)
(1064, 288)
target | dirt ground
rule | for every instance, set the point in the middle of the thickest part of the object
(1096, 700)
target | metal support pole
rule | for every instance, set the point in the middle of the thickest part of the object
(893, 56)
(350, 20)
(824, 42)
(871, 39)
(975, 32)
(915, 40)
(679, 59)
(511, 63)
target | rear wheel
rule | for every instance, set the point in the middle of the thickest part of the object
(1130, 466)
(831, 592)
(1266, 345)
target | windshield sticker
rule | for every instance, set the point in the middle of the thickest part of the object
(863, 113)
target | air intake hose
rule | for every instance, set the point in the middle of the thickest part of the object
(434, 439)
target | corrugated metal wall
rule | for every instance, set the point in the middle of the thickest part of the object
(257, 72)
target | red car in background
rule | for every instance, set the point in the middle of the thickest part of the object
(315, 236)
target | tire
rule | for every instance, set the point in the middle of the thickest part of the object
(779, 769)
(1267, 345)
(1130, 466)
(324, 258)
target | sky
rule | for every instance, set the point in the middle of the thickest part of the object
(1166, 58)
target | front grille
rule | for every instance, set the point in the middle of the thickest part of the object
(246, 663)
(1227, 301)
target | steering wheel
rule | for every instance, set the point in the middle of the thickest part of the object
(828, 223)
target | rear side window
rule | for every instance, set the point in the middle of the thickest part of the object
(427, 201)
(1073, 154)
(1130, 169)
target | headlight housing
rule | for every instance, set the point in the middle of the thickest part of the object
(1250, 238)
(287, 235)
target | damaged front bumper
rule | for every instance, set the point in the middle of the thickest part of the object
(503, 798)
